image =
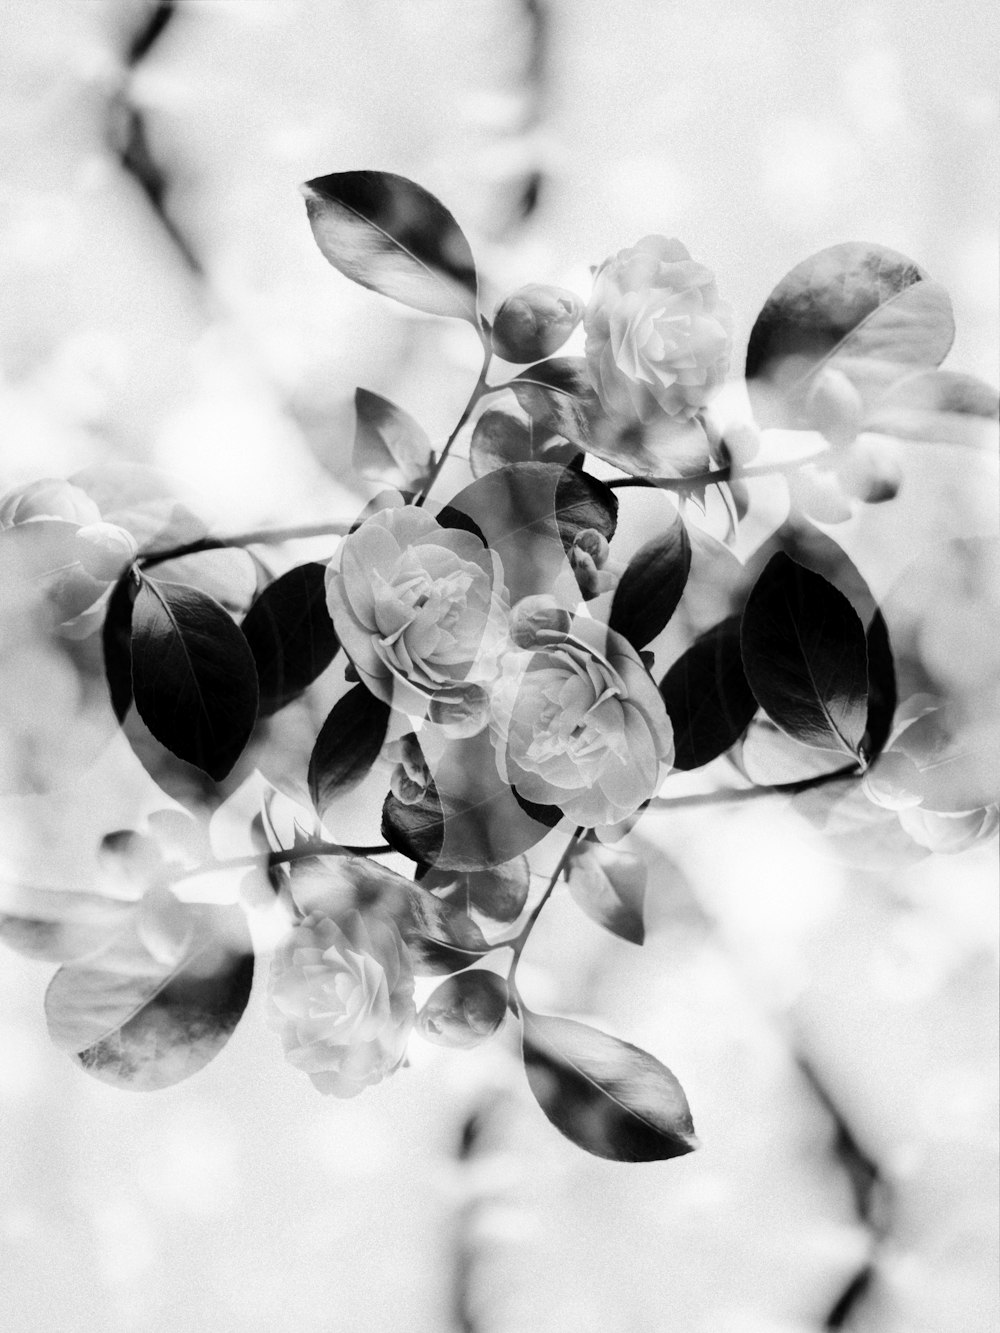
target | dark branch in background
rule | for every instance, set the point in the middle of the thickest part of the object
(871, 1200)
(536, 80)
(129, 140)
(464, 1247)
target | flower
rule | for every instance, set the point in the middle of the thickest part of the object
(578, 723)
(658, 337)
(341, 994)
(50, 497)
(420, 609)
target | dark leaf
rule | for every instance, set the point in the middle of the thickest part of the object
(291, 635)
(707, 696)
(193, 676)
(145, 1018)
(498, 893)
(116, 641)
(389, 446)
(349, 742)
(804, 656)
(862, 309)
(607, 1096)
(882, 697)
(390, 235)
(648, 592)
(464, 1010)
(498, 438)
(610, 886)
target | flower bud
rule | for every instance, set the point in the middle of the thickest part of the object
(869, 472)
(50, 497)
(939, 831)
(460, 713)
(539, 619)
(893, 782)
(534, 322)
(105, 549)
(834, 407)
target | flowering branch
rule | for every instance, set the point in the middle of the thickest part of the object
(727, 473)
(265, 861)
(480, 390)
(258, 536)
(521, 939)
(735, 794)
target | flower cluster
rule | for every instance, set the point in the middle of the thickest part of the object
(510, 668)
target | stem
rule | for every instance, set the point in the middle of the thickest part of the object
(727, 473)
(520, 940)
(258, 535)
(479, 391)
(734, 794)
(268, 859)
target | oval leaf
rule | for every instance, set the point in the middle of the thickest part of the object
(607, 1096)
(193, 676)
(610, 886)
(498, 438)
(291, 635)
(464, 1010)
(389, 445)
(498, 893)
(938, 407)
(530, 514)
(56, 925)
(707, 696)
(116, 642)
(649, 590)
(144, 1022)
(349, 742)
(558, 395)
(862, 309)
(805, 657)
(390, 235)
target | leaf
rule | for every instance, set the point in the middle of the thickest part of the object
(55, 925)
(530, 514)
(648, 592)
(116, 642)
(464, 1010)
(291, 635)
(389, 445)
(349, 742)
(498, 893)
(390, 235)
(863, 309)
(707, 696)
(610, 886)
(607, 1096)
(498, 438)
(938, 407)
(143, 1023)
(558, 395)
(804, 655)
(440, 937)
(193, 676)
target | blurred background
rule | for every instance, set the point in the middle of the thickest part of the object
(832, 1019)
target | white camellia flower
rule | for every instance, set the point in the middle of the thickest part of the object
(341, 995)
(658, 337)
(578, 723)
(419, 608)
